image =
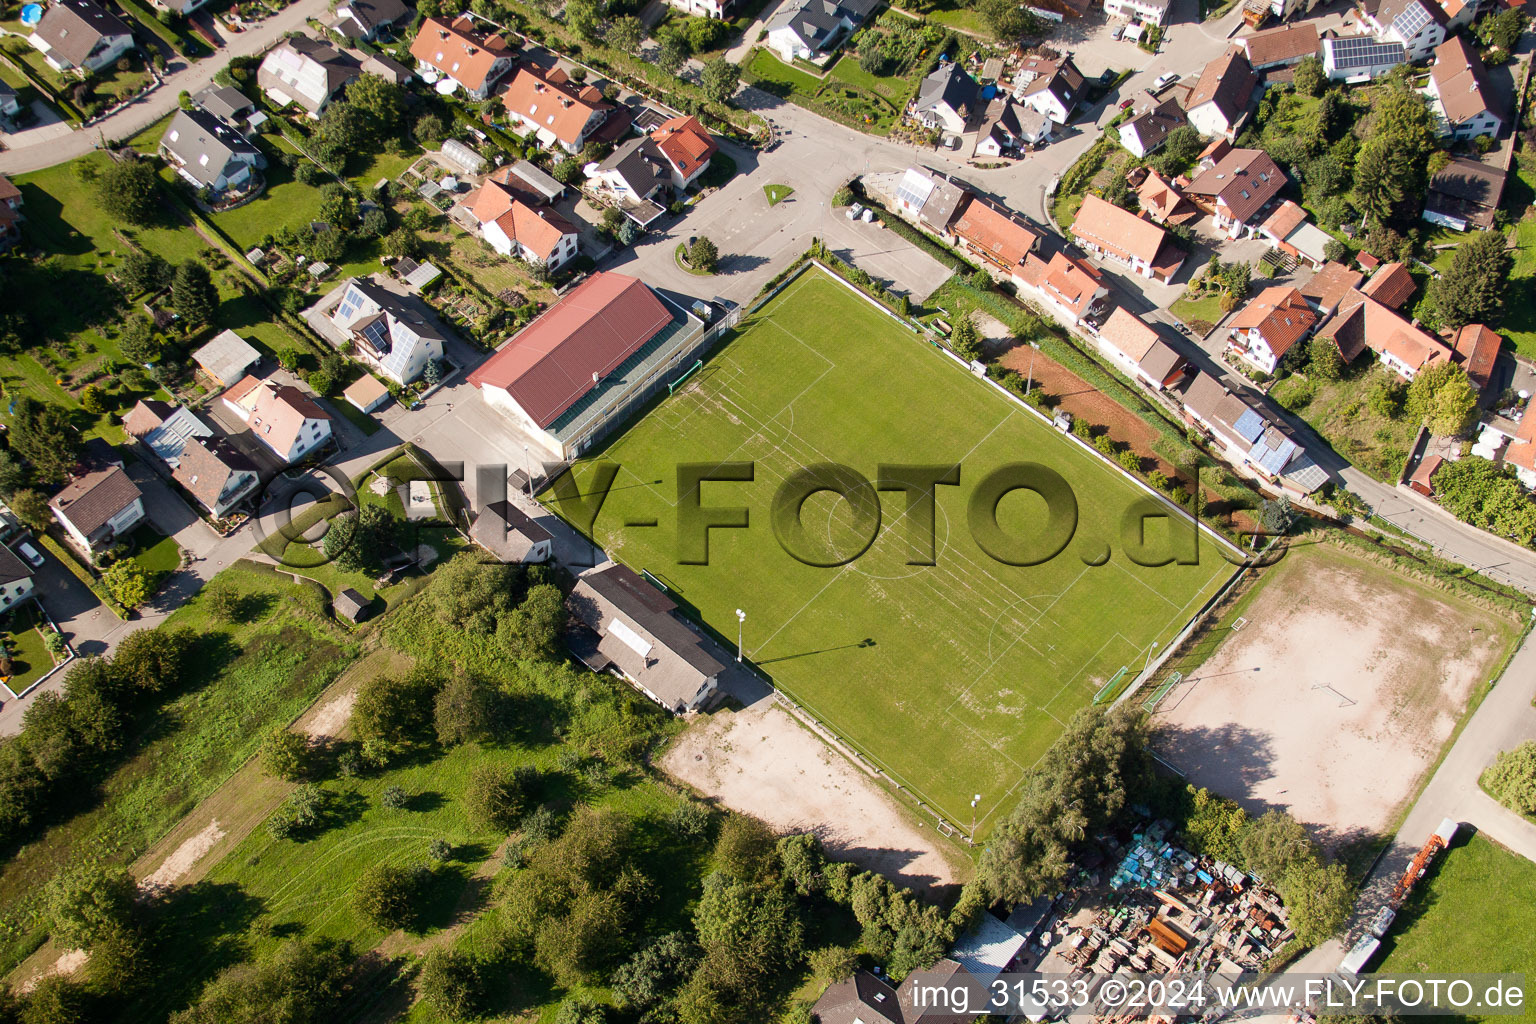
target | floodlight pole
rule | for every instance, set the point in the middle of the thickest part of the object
(974, 801)
(1030, 383)
(528, 466)
(1149, 657)
(741, 618)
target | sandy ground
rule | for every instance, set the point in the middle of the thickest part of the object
(762, 762)
(327, 721)
(184, 858)
(68, 962)
(1335, 697)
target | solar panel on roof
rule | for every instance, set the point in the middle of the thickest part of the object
(1250, 425)
(1363, 52)
(377, 334)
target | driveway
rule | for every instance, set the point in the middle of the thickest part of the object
(139, 115)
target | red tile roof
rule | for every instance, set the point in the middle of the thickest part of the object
(685, 143)
(1129, 334)
(1329, 286)
(1365, 323)
(994, 232)
(551, 101)
(1391, 285)
(550, 365)
(460, 50)
(1242, 180)
(539, 231)
(1071, 282)
(1118, 231)
(1280, 314)
(1228, 82)
(1477, 349)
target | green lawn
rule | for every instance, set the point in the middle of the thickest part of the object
(847, 94)
(156, 553)
(966, 19)
(956, 676)
(777, 193)
(1204, 311)
(1519, 324)
(30, 660)
(1475, 912)
(245, 678)
(1342, 413)
(763, 64)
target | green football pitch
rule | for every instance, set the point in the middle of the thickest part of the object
(953, 677)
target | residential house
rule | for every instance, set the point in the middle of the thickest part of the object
(10, 101)
(994, 237)
(226, 103)
(1071, 289)
(1422, 480)
(226, 359)
(560, 111)
(1269, 326)
(10, 213)
(1354, 59)
(1140, 351)
(164, 429)
(860, 999)
(1103, 228)
(1280, 47)
(928, 199)
(97, 507)
(280, 416)
(306, 73)
(1475, 348)
(1008, 127)
(15, 579)
(1147, 131)
(1521, 454)
(574, 373)
(1147, 12)
(688, 147)
(507, 532)
(1049, 84)
(1163, 202)
(1288, 229)
(1464, 194)
(181, 7)
(1464, 102)
(1363, 323)
(515, 228)
(634, 174)
(1223, 97)
(718, 9)
(387, 68)
(365, 19)
(533, 186)
(1234, 186)
(78, 35)
(464, 54)
(1419, 25)
(216, 473)
(1461, 13)
(808, 29)
(948, 100)
(387, 331)
(1247, 438)
(1329, 286)
(210, 154)
(633, 630)
(1392, 286)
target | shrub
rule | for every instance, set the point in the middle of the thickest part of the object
(452, 984)
(386, 895)
(1511, 779)
(285, 755)
(394, 798)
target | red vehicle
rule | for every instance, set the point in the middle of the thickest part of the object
(1126, 103)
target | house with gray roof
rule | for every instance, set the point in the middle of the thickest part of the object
(633, 630)
(634, 173)
(809, 29)
(210, 154)
(365, 19)
(510, 534)
(948, 100)
(226, 103)
(10, 103)
(1246, 437)
(388, 332)
(226, 359)
(79, 35)
(305, 72)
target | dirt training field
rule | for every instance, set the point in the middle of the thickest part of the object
(1335, 696)
(761, 761)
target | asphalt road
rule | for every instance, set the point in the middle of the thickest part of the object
(134, 118)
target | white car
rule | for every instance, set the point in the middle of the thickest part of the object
(1164, 81)
(31, 554)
